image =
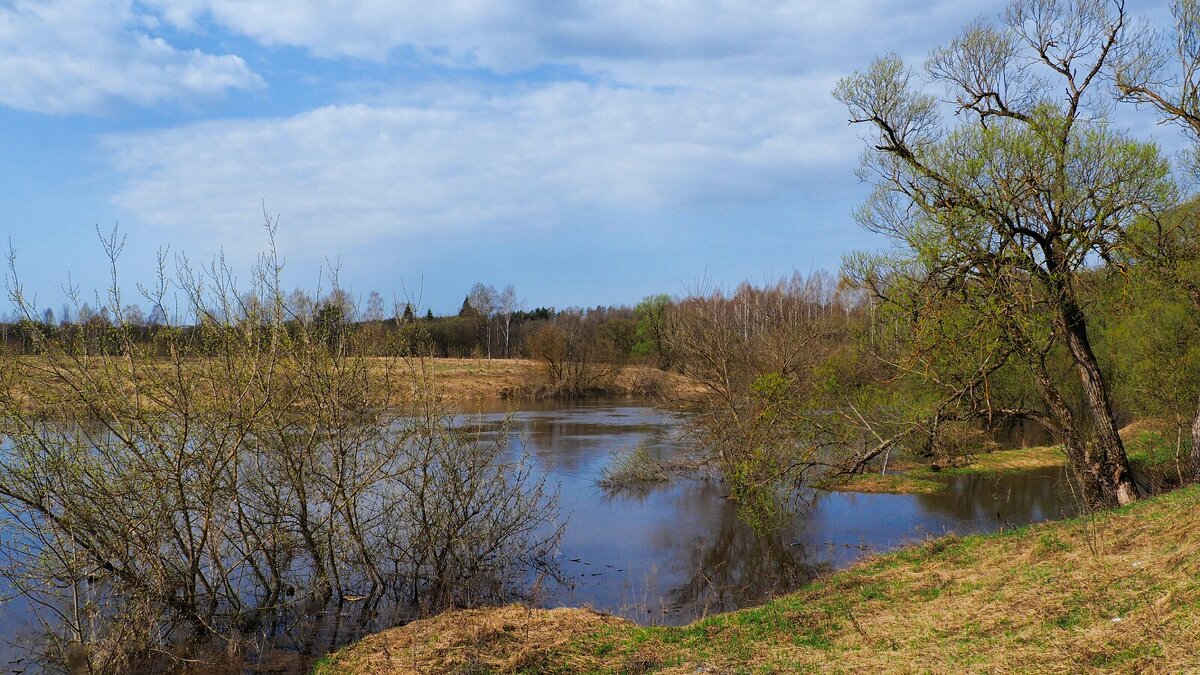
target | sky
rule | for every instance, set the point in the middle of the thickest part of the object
(586, 152)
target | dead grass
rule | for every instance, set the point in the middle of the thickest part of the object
(456, 379)
(475, 379)
(1023, 459)
(1116, 594)
(503, 639)
(1139, 427)
(631, 469)
(892, 483)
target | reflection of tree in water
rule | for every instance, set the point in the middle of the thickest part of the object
(737, 567)
(561, 443)
(293, 642)
(730, 565)
(1016, 498)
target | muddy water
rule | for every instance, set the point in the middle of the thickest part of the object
(676, 551)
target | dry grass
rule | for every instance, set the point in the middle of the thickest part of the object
(630, 469)
(892, 483)
(475, 379)
(1138, 427)
(1023, 459)
(1119, 593)
(504, 639)
(456, 379)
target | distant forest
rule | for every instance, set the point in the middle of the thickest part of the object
(489, 324)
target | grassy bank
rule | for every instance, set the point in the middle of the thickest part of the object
(1116, 593)
(473, 379)
(1157, 452)
(908, 476)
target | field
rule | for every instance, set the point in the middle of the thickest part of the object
(473, 379)
(32, 381)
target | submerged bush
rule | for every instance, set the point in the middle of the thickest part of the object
(631, 468)
(193, 490)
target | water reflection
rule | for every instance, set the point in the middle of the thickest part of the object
(674, 552)
(666, 554)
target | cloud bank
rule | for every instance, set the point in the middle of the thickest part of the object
(522, 33)
(447, 160)
(82, 56)
(462, 116)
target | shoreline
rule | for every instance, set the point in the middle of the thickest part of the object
(1115, 592)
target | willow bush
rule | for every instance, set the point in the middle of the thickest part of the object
(170, 499)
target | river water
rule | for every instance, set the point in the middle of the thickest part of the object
(676, 551)
(667, 554)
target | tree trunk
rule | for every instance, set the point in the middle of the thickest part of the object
(1079, 456)
(1194, 293)
(1196, 444)
(1110, 463)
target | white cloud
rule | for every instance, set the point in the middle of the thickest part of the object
(541, 157)
(599, 36)
(688, 104)
(69, 56)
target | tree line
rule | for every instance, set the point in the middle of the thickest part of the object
(489, 324)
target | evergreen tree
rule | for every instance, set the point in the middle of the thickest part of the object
(467, 310)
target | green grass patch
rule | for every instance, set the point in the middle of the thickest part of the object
(893, 483)
(1006, 461)
(913, 476)
(1050, 542)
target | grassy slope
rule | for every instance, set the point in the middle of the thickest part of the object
(1116, 593)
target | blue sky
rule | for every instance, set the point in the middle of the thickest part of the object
(585, 152)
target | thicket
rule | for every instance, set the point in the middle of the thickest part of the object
(169, 501)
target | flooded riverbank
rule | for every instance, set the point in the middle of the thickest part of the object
(666, 554)
(676, 551)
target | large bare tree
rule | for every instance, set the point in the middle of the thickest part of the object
(1025, 189)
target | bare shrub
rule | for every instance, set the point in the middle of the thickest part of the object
(758, 353)
(577, 358)
(164, 498)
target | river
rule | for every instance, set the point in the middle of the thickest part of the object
(666, 554)
(676, 551)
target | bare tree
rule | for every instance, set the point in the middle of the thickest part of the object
(374, 311)
(1030, 185)
(506, 304)
(483, 300)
